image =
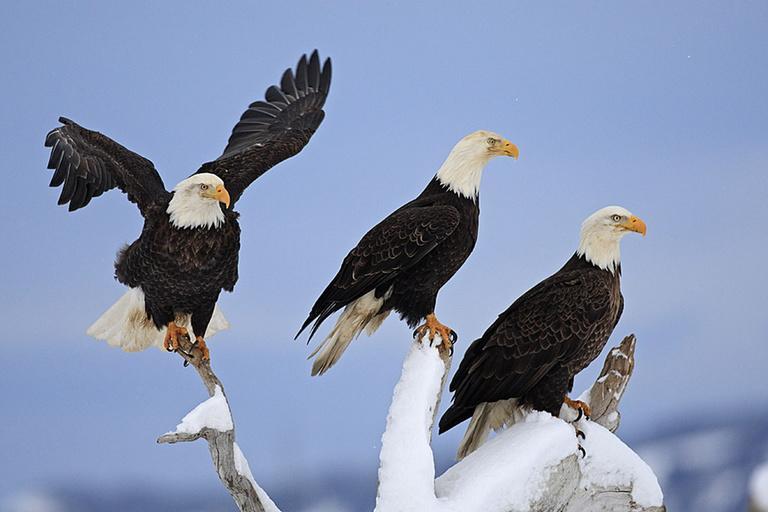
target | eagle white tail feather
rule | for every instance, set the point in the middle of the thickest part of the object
(488, 416)
(126, 325)
(362, 314)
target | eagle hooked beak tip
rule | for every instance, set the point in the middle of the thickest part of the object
(222, 195)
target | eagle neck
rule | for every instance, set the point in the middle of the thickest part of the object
(602, 251)
(462, 171)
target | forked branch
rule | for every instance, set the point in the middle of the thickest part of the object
(212, 421)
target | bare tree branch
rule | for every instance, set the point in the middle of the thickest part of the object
(605, 394)
(226, 456)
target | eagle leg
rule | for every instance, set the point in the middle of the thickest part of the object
(433, 327)
(200, 343)
(584, 412)
(172, 334)
(582, 407)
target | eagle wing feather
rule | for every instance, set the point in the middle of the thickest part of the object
(389, 248)
(276, 128)
(545, 327)
(86, 164)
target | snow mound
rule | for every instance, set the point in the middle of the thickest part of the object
(213, 413)
(514, 466)
(407, 469)
(611, 464)
(533, 465)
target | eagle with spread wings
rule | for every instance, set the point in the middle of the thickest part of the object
(188, 248)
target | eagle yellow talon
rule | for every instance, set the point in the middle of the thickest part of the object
(200, 343)
(433, 327)
(172, 334)
(578, 405)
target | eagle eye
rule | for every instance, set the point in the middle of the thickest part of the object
(203, 187)
(491, 141)
(616, 218)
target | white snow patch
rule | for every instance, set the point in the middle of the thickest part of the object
(213, 413)
(242, 468)
(407, 468)
(758, 487)
(611, 463)
(510, 471)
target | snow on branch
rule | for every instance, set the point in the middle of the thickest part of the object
(212, 421)
(533, 465)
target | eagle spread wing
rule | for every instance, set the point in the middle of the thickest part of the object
(278, 128)
(543, 328)
(392, 246)
(88, 164)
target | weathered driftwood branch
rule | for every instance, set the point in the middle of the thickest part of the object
(533, 465)
(227, 458)
(605, 394)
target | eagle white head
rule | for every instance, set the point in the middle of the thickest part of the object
(601, 233)
(195, 202)
(462, 170)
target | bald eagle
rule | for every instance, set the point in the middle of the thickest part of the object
(403, 261)
(529, 356)
(188, 249)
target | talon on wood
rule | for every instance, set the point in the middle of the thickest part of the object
(580, 434)
(200, 343)
(583, 451)
(432, 327)
(172, 334)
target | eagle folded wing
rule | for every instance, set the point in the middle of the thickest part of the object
(88, 164)
(275, 129)
(392, 246)
(542, 328)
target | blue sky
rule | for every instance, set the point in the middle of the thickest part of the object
(660, 107)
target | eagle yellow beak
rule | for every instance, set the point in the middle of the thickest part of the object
(508, 149)
(635, 224)
(222, 195)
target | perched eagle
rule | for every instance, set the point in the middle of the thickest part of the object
(528, 357)
(403, 261)
(188, 249)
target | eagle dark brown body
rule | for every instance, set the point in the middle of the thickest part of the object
(407, 257)
(535, 348)
(181, 271)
